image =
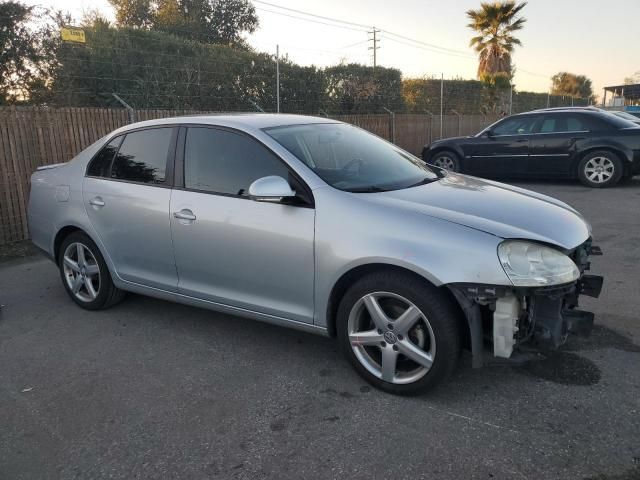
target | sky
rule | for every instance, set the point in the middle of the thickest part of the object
(596, 38)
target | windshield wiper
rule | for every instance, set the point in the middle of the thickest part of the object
(423, 182)
(371, 189)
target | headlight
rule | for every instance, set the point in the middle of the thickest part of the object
(529, 264)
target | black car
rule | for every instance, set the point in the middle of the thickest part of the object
(594, 146)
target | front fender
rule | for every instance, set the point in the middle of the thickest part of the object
(431, 150)
(442, 252)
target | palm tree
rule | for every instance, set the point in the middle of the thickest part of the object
(495, 23)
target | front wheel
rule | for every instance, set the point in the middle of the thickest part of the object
(600, 169)
(85, 275)
(447, 160)
(399, 332)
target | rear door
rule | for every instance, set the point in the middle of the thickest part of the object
(503, 152)
(126, 193)
(553, 145)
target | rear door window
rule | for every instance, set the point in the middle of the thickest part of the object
(143, 156)
(563, 123)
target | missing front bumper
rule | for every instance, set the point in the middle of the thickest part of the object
(503, 318)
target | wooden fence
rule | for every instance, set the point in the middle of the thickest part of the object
(32, 136)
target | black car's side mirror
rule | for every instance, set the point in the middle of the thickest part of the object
(489, 134)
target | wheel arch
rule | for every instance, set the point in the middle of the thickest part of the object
(616, 149)
(59, 237)
(354, 274)
(66, 230)
(447, 148)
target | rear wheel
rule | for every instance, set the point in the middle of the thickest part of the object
(399, 332)
(600, 169)
(85, 275)
(447, 160)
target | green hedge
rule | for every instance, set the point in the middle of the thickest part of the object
(155, 70)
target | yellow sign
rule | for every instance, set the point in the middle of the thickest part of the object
(70, 34)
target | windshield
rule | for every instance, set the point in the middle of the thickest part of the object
(351, 159)
(626, 116)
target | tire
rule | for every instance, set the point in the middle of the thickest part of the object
(91, 277)
(446, 159)
(371, 344)
(600, 169)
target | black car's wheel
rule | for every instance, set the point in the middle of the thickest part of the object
(85, 275)
(600, 169)
(399, 332)
(447, 160)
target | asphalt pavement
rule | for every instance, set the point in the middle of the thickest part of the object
(151, 389)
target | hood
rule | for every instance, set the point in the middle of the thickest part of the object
(443, 141)
(494, 208)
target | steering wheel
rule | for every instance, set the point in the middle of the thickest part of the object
(353, 162)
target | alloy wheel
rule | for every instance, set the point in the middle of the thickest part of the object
(391, 337)
(445, 162)
(599, 169)
(81, 272)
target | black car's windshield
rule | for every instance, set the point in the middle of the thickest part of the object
(351, 159)
(627, 116)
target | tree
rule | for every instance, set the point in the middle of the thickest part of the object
(495, 24)
(27, 51)
(207, 21)
(572, 85)
(133, 13)
(635, 78)
(232, 17)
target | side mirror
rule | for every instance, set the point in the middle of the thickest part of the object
(270, 189)
(490, 134)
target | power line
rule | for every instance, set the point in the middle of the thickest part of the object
(345, 27)
(426, 49)
(346, 24)
(430, 45)
(353, 24)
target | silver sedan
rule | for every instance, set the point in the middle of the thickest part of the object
(318, 225)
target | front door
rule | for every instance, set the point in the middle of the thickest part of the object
(230, 249)
(126, 195)
(503, 151)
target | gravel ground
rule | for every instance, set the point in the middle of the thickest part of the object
(151, 389)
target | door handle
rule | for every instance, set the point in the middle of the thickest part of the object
(97, 202)
(522, 141)
(184, 214)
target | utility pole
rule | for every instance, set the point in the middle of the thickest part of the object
(278, 78)
(375, 46)
(441, 102)
(511, 98)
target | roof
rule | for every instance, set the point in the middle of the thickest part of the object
(243, 121)
(630, 91)
(560, 109)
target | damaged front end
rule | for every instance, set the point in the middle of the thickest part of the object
(540, 317)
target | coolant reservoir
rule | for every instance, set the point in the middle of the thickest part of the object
(505, 321)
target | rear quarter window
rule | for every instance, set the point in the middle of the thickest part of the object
(100, 165)
(142, 157)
